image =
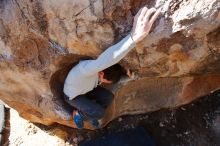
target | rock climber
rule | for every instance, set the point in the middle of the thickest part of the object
(82, 88)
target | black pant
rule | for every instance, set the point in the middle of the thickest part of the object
(92, 105)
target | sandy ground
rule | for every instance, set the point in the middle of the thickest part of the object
(25, 133)
(195, 124)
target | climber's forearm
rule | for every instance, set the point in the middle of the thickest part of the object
(110, 56)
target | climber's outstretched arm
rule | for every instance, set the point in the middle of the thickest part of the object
(143, 21)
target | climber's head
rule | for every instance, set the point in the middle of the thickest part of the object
(111, 75)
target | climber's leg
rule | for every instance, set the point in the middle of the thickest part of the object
(86, 107)
(91, 106)
(101, 96)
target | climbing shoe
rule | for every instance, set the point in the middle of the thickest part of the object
(95, 123)
(78, 120)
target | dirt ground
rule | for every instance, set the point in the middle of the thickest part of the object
(195, 124)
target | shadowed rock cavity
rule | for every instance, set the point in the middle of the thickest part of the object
(58, 78)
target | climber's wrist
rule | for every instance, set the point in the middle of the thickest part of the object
(133, 38)
(137, 38)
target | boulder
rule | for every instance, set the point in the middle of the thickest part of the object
(178, 62)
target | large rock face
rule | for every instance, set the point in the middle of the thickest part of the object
(40, 41)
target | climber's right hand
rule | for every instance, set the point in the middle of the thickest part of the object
(143, 22)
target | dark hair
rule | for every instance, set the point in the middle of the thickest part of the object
(114, 73)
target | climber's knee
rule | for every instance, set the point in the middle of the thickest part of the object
(97, 113)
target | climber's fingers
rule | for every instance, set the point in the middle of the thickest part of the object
(138, 14)
(154, 17)
(130, 73)
(143, 12)
(149, 13)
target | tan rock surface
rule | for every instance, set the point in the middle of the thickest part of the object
(40, 40)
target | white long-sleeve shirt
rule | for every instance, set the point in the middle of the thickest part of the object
(83, 77)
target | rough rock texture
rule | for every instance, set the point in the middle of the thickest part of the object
(41, 40)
